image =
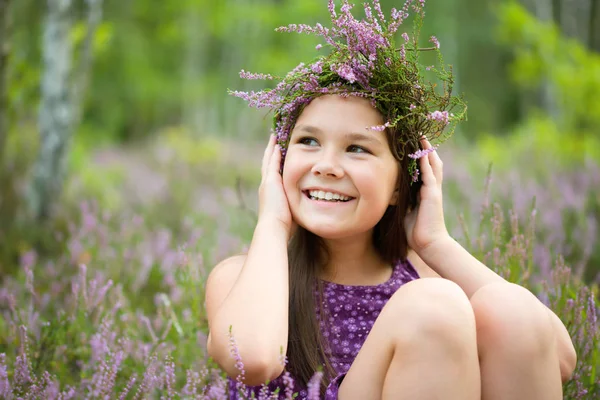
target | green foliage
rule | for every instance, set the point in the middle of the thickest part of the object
(541, 140)
(563, 67)
(86, 179)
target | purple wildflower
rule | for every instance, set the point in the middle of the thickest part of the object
(250, 75)
(319, 46)
(239, 364)
(5, 389)
(317, 67)
(440, 116)
(379, 128)
(435, 42)
(314, 386)
(415, 175)
(421, 153)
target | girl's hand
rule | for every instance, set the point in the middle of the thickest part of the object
(272, 200)
(425, 224)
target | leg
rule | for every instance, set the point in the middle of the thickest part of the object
(422, 346)
(516, 346)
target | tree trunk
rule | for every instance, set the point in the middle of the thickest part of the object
(56, 110)
(82, 76)
(4, 50)
(595, 26)
(62, 95)
(575, 19)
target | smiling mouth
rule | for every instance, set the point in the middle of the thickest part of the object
(307, 194)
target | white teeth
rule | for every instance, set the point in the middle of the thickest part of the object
(319, 194)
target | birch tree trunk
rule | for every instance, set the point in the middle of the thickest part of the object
(4, 50)
(62, 93)
(56, 113)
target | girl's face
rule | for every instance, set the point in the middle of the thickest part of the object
(339, 177)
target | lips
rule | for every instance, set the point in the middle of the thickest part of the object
(320, 189)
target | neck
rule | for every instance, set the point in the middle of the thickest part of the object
(354, 261)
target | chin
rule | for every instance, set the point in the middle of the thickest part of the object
(328, 231)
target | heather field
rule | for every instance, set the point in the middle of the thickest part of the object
(117, 311)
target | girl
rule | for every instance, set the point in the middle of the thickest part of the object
(351, 268)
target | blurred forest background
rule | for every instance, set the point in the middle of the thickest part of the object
(124, 103)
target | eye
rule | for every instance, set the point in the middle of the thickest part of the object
(357, 149)
(308, 141)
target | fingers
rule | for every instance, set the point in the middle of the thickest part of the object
(431, 165)
(275, 162)
(267, 156)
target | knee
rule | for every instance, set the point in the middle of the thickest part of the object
(433, 309)
(510, 318)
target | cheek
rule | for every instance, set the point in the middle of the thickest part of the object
(290, 174)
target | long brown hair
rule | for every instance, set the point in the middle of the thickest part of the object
(307, 253)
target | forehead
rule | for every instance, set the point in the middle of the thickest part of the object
(334, 113)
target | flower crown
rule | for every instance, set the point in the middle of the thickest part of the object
(365, 62)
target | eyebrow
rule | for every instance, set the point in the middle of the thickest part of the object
(352, 136)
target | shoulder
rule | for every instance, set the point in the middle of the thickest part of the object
(422, 269)
(220, 281)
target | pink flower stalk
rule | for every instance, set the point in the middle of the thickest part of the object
(314, 386)
(421, 153)
(415, 175)
(239, 364)
(5, 389)
(250, 75)
(379, 128)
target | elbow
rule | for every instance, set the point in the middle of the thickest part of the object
(258, 366)
(568, 362)
(258, 372)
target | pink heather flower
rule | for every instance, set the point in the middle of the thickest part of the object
(421, 153)
(412, 107)
(314, 386)
(380, 14)
(435, 42)
(379, 128)
(415, 176)
(170, 378)
(235, 352)
(250, 75)
(319, 46)
(5, 389)
(428, 68)
(331, 7)
(405, 37)
(441, 116)
(127, 389)
(22, 375)
(288, 383)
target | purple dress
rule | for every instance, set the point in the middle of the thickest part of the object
(351, 312)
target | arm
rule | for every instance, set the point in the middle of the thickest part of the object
(253, 299)
(472, 276)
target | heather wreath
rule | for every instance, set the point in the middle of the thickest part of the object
(365, 61)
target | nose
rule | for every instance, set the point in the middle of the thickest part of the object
(328, 165)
